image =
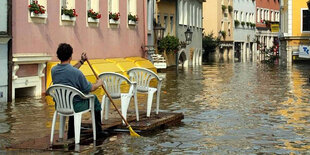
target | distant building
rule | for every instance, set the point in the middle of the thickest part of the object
(218, 18)
(166, 16)
(244, 30)
(267, 25)
(295, 30)
(176, 16)
(189, 15)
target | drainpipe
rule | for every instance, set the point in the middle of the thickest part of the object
(145, 26)
(10, 55)
(176, 33)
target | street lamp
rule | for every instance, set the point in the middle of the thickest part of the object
(159, 31)
(188, 36)
(308, 4)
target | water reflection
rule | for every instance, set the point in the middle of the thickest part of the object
(229, 108)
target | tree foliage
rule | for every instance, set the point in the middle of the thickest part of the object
(210, 42)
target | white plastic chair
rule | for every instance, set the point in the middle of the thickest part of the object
(143, 77)
(112, 82)
(63, 96)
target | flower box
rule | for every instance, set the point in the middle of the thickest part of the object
(67, 18)
(114, 22)
(131, 22)
(33, 15)
(92, 20)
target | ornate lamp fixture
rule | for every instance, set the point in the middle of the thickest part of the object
(159, 31)
(188, 36)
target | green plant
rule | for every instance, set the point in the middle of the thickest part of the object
(169, 44)
(253, 25)
(230, 8)
(132, 17)
(94, 15)
(223, 33)
(69, 12)
(210, 43)
(114, 16)
(248, 24)
(243, 23)
(36, 8)
(224, 8)
(267, 23)
(237, 23)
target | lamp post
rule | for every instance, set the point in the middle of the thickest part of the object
(188, 36)
(159, 31)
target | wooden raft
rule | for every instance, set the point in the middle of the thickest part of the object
(112, 125)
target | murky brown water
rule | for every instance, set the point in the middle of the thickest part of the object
(229, 108)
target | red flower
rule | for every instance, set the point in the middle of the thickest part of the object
(36, 12)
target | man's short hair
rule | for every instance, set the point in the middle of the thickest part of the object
(64, 51)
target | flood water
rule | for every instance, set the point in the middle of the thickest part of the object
(229, 108)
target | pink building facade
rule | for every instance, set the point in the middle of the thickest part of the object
(36, 37)
(267, 13)
(100, 41)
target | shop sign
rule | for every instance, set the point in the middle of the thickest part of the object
(304, 51)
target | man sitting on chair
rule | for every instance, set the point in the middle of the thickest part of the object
(66, 74)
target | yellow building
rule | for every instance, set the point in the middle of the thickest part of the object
(166, 16)
(218, 19)
(295, 30)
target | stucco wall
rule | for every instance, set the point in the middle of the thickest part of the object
(167, 8)
(98, 42)
(241, 33)
(3, 17)
(3, 71)
(211, 17)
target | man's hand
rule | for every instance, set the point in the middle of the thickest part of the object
(99, 82)
(83, 57)
(96, 85)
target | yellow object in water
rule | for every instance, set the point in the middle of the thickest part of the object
(117, 65)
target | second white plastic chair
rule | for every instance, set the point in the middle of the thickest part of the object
(143, 78)
(112, 82)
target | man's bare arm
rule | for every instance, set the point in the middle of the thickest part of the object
(81, 62)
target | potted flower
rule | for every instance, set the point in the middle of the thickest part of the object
(242, 23)
(68, 14)
(223, 34)
(237, 23)
(37, 10)
(114, 18)
(93, 17)
(230, 8)
(224, 8)
(132, 19)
